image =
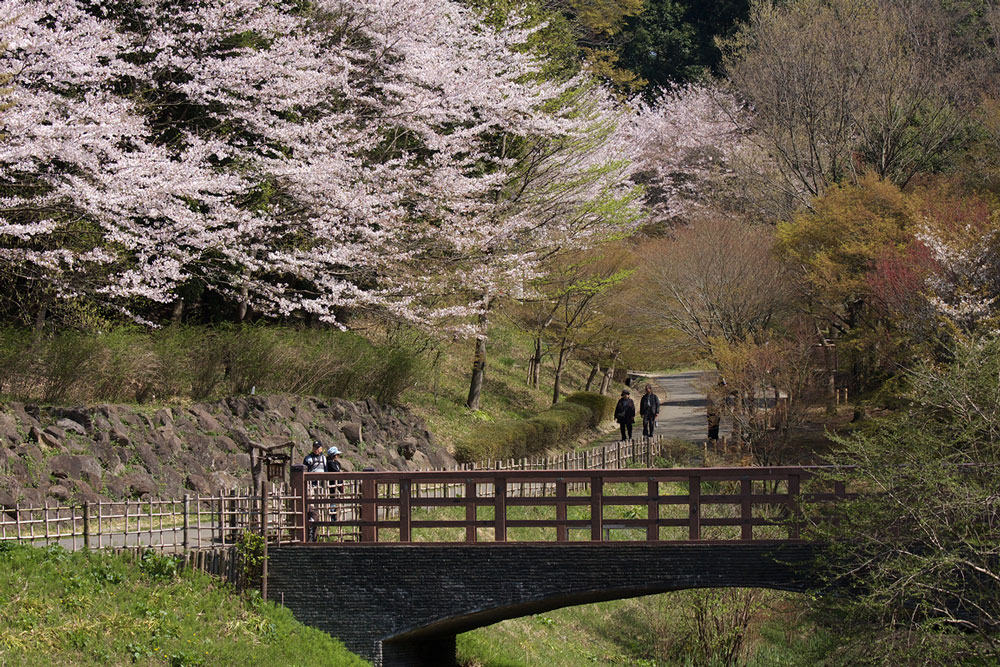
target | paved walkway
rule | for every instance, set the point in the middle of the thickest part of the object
(682, 405)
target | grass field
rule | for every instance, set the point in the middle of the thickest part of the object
(63, 608)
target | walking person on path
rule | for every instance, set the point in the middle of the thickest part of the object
(625, 415)
(649, 409)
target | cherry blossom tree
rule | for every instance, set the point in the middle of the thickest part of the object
(301, 160)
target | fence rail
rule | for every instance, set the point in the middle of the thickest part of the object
(663, 505)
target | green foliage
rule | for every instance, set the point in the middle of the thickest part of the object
(128, 364)
(924, 525)
(516, 438)
(82, 608)
(602, 408)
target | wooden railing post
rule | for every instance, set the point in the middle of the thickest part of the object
(470, 511)
(298, 482)
(652, 510)
(405, 486)
(596, 508)
(562, 530)
(369, 510)
(746, 509)
(694, 507)
(500, 509)
(86, 525)
(185, 540)
(793, 505)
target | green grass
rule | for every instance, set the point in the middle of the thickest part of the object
(656, 630)
(82, 608)
(440, 390)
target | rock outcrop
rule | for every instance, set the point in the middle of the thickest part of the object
(114, 451)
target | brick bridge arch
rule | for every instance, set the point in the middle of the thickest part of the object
(399, 604)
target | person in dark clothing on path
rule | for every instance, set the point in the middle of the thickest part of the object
(649, 409)
(625, 415)
(714, 419)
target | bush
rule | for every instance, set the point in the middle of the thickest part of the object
(602, 408)
(552, 428)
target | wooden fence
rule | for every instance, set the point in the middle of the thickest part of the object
(664, 505)
(206, 522)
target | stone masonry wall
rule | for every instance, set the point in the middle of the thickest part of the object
(116, 451)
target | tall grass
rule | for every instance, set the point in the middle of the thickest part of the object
(129, 364)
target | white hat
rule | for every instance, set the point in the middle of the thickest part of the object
(333, 451)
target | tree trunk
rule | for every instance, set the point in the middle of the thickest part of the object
(241, 307)
(536, 364)
(478, 369)
(608, 375)
(593, 374)
(39, 326)
(557, 383)
(178, 313)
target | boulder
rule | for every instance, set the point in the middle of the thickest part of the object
(164, 417)
(67, 424)
(352, 431)
(206, 422)
(82, 492)
(73, 466)
(9, 433)
(79, 415)
(199, 484)
(407, 447)
(166, 442)
(139, 483)
(224, 481)
(59, 492)
(148, 458)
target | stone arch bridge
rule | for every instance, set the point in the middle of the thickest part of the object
(397, 564)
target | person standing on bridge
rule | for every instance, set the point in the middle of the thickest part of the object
(649, 409)
(625, 415)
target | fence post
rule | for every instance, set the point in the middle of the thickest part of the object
(369, 510)
(746, 509)
(86, 525)
(500, 509)
(405, 494)
(652, 510)
(470, 511)
(562, 530)
(694, 500)
(298, 482)
(263, 524)
(596, 508)
(793, 505)
(185, 542)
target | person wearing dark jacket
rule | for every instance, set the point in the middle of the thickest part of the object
(625, 415)
(316, 460)
(649, 409)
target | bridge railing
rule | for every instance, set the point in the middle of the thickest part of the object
(661, 505)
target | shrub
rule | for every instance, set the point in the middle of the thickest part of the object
(519, 438)
(602, 408)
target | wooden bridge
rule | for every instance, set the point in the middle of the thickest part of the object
(397, 563)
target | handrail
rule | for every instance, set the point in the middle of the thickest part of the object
(398, 506)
